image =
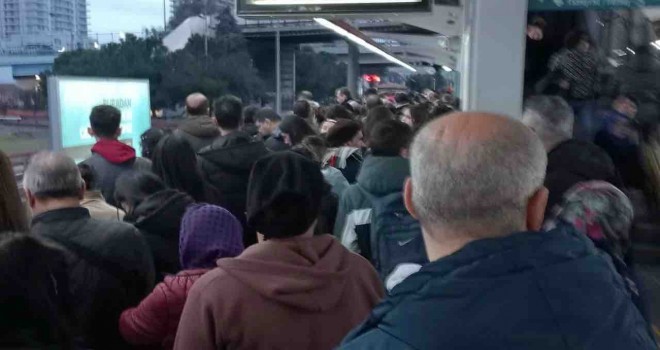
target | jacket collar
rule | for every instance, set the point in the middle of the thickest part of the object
(383, 175)
(93, 196)
(534, 249)
(64, 214)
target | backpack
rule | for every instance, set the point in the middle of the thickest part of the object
(395, 237)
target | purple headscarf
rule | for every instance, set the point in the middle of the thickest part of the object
(208, 233)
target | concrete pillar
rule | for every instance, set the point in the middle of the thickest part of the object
(353, 71)
(493, 56)
(278, 74)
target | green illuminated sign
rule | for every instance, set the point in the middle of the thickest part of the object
(558, 5)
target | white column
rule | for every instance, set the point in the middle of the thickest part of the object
(493, 56)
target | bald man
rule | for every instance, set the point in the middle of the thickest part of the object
(495, 281)
(198, 127)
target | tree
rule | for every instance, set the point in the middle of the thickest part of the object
(320, 73)
(131, 58)
(190, 8)
(227, 69)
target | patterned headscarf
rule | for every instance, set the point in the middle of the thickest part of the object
(601, 211)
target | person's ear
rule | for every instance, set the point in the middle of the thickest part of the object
(407, 198)
(215, 122)
(81, 192)
(31, 199)
(91, 132)
(536, 209)
(404, 153)
(118, 133)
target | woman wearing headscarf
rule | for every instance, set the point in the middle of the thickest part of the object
(604, 214)
(208, 233)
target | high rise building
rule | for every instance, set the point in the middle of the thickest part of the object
(41, 25)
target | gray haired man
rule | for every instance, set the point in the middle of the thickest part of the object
(111, 267)
(494, 281)
(570, 161)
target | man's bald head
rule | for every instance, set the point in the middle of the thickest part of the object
(197, 104)
(474, 173)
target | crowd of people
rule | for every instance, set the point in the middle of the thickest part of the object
(368, 224)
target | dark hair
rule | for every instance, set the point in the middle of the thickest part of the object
(345, 91)
(87, 174)
(374, 101)
(297, 129)
(228, 112)
(267, 113)
(574, 38)
(419, 115)
(370, 92)
(248, 114)
(389, 137)
(36, 306)
(133, 187)
(149, 139)
(630, 97)
(12, 213)
(337, 112)
(376, 115)
(402, 98)
(175, 162)
(302, 109)
(343, 131)
(105, 121)
(440, 110)
(315, 145)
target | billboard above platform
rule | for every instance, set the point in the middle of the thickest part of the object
(559, 5)
(274, 8)
(71, 100)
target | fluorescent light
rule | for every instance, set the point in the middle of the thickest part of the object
(630, 50)
(329, 2)
(446, 69)
(62, 49)
(354, 38)
(656, 44)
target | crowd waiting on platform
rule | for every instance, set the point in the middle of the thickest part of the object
(369, 224)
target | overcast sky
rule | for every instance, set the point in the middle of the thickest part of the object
(114, 16)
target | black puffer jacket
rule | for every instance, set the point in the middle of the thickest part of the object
(110, 269)
(226, 165)
(572, 162)
(158, 217)
(199, 131)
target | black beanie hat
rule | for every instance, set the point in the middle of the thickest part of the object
(284, 195)
(343, 131)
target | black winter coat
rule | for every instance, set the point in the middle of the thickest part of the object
(158, 217)
(199, 131)
(572, 162)
(226, 165)
(110, 269)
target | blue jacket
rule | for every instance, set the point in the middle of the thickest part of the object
(529, 290)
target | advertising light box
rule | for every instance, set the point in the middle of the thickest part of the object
(71, 100)
(271, 8)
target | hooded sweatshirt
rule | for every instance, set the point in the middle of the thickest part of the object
(110, 158)
(158, 217)
(199, 131)
(299, 293)
(208, 233)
